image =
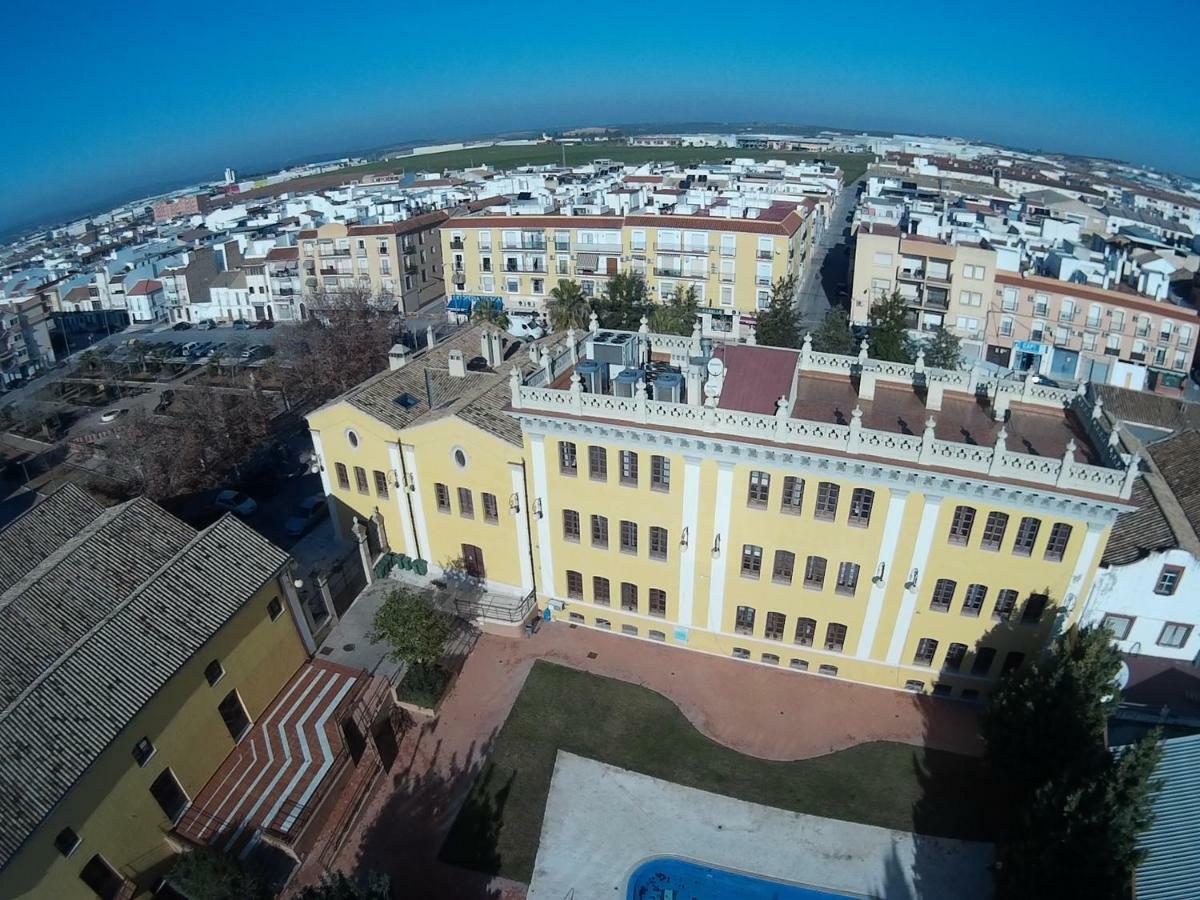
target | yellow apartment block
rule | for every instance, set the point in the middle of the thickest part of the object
(136, 651)
(731, 260)
(900, 526)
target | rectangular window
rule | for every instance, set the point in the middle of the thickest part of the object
(835, 637)
(1168, 580)
(658, 542)
(806, 632)
(658, 603)
(601, 591)
(570, 525)
(66, 841)
(466, 503)
(785, 566)
(491, 511)
(758, 490)
(926, 651)
(381, 485)
(660, 473)
(630, 630)
(142, 751)
(1056, 545)
(1006, 604)
(814, 572)
(847, 578)
(629, 597)
(943, 595)
(629, 468)
(751, 560)
(827, 500)
(1034, 607)
(603, 624)
(102, 878)
(973, 599)
(360, 480)
(568, 461)
(1120, 626)
(1174, 635)
(744, 620)
(574, 585)
(861, 501)
(442, 495)
(214, 672)
(1027, 533)
(773, 627)
(233, 714)
(993, 531)
(983, 661)
(955, 654)
(629, 537)
(793, 495)
(600, 532)
(960, 526)
(343, 476)
(598, 463)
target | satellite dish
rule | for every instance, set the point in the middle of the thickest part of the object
(1122, 677)
(716, 368)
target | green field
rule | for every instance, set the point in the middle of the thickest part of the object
(887, 784)
(852, 164)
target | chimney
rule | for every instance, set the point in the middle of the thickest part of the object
(397, 357)
(458, 365)
(491, 346)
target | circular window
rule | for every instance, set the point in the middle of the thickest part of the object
(352, 437)
(460, 458)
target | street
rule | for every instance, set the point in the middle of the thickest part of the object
(830, 264)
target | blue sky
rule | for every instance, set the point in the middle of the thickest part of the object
(104, 99)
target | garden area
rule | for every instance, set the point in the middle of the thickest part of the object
(887, 784)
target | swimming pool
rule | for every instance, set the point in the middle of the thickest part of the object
(671, 878)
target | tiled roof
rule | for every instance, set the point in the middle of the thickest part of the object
(1178, 459)
(1146, 408)
(34, 535)
(61, 722)
(1126, 298)
(1139, 532)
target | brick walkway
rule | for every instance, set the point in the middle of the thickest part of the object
(764, 712)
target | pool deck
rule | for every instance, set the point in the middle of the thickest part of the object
(602, 822)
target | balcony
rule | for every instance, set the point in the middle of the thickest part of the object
(455, 244)
(728, 251)
(937, 277)
(525, 243)
(1142, 331)
(1138, 357)
(916, 275)
(612, 249)
(1112, 351)
(668, 273)
(410, 268)
(1066, 317)
(534, 267)
(697, 251)
(765, 254)
(339, 251)
(329, 270)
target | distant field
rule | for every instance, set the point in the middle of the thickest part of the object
(852, 164)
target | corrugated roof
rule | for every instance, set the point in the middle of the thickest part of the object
(79, 703)
(38, 532)
(1171, 870)
(1139, 532)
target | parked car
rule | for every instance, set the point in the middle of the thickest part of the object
(525, 325)
(311, 511)
(236, 502)
(241, 324)
(207, 325)
(111, 415)
(264, 323)
(181, 326)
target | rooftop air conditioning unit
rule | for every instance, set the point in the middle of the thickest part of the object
(594, 375)
(615, 348)
(625, 384)
(668, 387)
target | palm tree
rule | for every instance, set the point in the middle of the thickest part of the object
(490, 313)
(568, 308)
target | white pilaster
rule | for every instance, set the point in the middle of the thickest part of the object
(406, 525)
(537, 446)
(716, 582)
(299, 613)
(920, 556)
(887, 560)
(326, 485)
(1083, 565)
(418, 498)
(522, 515)
(687, 555)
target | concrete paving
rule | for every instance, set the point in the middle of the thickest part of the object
(829, 265)
(602, 822)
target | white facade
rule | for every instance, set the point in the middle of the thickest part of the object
(1132, 601)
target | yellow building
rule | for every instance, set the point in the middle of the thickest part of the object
(836, 515)
(137, 651)
(731, 260)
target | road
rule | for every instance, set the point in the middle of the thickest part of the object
(830, 264)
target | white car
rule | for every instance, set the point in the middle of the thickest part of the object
(111, 415)
(525, 325)
(236, 502)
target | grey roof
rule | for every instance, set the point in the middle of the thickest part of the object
(78, 703)
(1147, 408)
(1178, 459)
(34, 535)
(1171, 870)
(1137, 533)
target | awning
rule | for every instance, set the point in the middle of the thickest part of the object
(467, 302)
(588, 261)
(459, 303)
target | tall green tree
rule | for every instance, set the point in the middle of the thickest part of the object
(779, 324)
(833, 335)
(206, 874)
(489, 313)
(888, 339)
(411, 628)
(1075, 807)
(624, 301)
(942, 351)
(337, 886)
(568, 308)
(676, 313)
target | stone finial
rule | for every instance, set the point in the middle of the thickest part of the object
(1081, 389)
(930, 425)
(533, 354)
(1002, 438)
(544, 361)
(514, 386)
(919, 365)
(430, 337)
(856, 415)
(862, 351)
(576, 382)
(593, 322)
(359, 530)
(1097, 409)
(1069, 452)
(644, 327)
(572, 346)
(1114, 436)
(640, 389)
(781, 408)
(807, 348)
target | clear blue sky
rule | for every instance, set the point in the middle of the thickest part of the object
(105, 98)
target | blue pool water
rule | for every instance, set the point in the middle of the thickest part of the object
(669, 878)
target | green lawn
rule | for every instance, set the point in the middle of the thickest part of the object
(887, 784)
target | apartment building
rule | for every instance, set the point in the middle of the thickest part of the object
(25, 337)
(730, 255)
(944, 285)
(1083, 332)
(137, 652)
(399, 261)
(744, 501)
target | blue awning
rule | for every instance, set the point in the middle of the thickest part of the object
(467, 302)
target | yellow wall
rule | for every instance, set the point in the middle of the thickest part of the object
(111, 808)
